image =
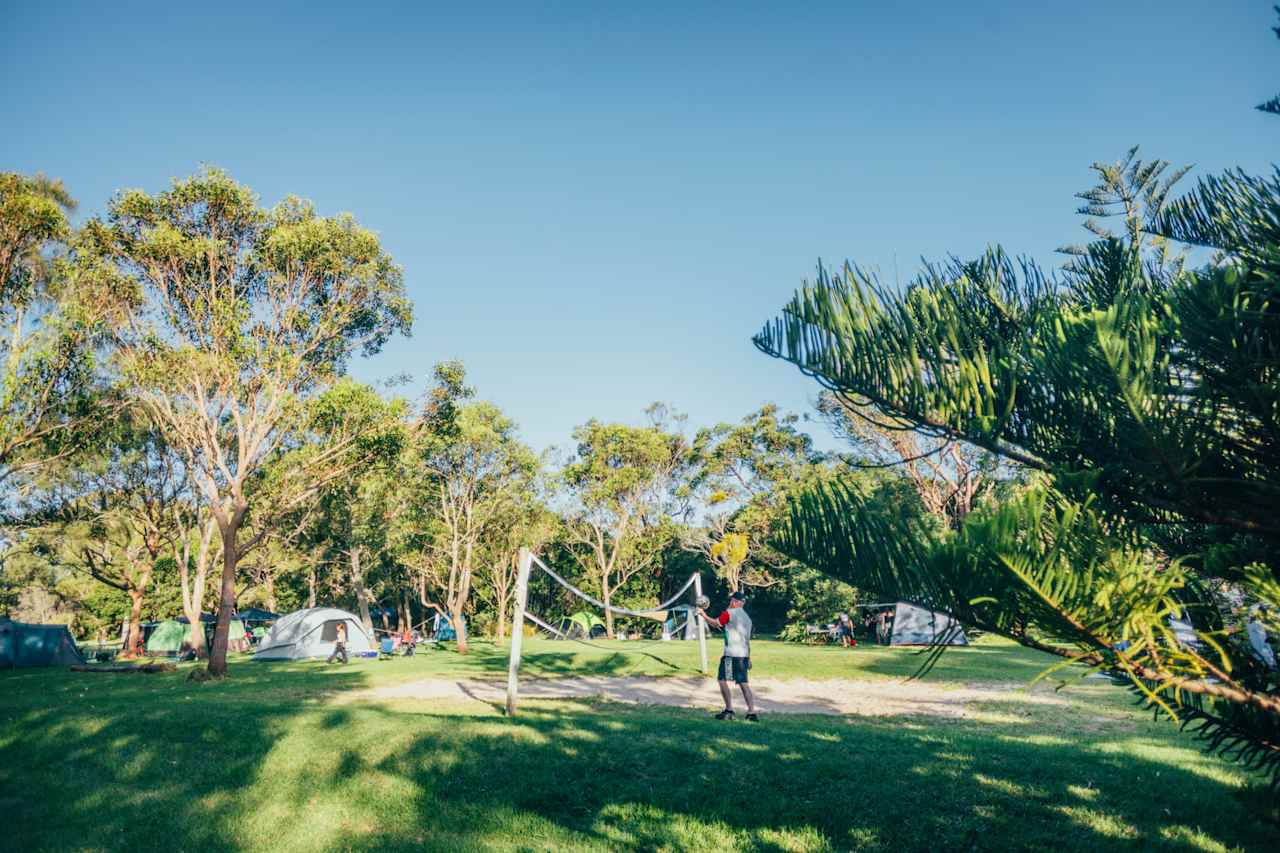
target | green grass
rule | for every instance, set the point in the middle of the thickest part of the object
(275, 757)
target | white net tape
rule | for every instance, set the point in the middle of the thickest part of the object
(535, 620)
(647, 613)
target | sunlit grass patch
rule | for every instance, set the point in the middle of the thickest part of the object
(291, 759)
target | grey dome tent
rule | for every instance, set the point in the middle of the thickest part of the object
(311, 633)
(919, 626)
(24, 645)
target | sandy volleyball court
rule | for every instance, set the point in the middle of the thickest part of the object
(791, 696)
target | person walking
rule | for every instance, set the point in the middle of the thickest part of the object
(736, 660)
(846, 631)
(339, 643)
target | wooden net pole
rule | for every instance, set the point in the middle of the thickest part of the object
(517, 629)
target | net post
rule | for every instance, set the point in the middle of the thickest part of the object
(517, 629)
(695, 615)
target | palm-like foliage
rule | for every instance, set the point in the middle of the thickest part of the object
(1148, 398)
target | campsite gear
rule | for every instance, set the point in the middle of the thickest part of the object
(902, 624)
(312, 634)
(386, 649)
(167, 639)
(23, 645)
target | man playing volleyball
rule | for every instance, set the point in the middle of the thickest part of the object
(737, 654)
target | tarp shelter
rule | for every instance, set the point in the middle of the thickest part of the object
(23, 645)
(582, 625)
(257, 614)
(919, 626)
(167, 638)
(311, 633)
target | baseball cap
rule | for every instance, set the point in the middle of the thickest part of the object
(738, 596)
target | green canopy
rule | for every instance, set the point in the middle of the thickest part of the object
(167, 638)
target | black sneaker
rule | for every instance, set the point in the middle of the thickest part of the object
(726, 714)
(753, 718)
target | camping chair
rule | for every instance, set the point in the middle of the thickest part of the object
(386, 649)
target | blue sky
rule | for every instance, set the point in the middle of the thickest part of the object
(597, 205)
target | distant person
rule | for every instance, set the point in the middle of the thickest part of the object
(844, 629)
(736, 660)
(339, 644)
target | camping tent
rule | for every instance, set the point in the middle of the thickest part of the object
(582, 625)
(167, 638)
(36, 645)
(919, 626)
(311, 633)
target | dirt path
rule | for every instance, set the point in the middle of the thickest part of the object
(793, 696)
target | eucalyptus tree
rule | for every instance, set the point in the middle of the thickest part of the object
(741, 474)
(949, 476)
(523, 521)
(50, 384)
(468, 467)
(111, 512)
(242, 313)
(1147, 397)
(344, 502)
(622, 482)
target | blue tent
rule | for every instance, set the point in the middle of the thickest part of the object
(445, 631)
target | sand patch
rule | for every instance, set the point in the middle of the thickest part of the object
(774, 696)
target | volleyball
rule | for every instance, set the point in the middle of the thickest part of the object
(703, 602)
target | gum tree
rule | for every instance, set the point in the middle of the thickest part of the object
(243, 313)
(51, 376)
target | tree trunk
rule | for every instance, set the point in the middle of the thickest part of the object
(502, 617)
(406, 619)
(192, 608)
(193, 594)
(272, 604)
(606, 595)
(459, 628)
(227, 601)
(311, 587)
(133, 644)
(362, 597)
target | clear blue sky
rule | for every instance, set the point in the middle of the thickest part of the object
(597, 207)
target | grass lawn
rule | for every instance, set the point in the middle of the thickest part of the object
(271, 758)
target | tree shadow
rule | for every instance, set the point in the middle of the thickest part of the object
(262, 761)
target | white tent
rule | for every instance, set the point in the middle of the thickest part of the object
(311, 633)
(919, 626)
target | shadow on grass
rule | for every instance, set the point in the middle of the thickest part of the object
(260, 762)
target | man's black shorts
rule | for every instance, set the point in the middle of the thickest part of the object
(734, 669)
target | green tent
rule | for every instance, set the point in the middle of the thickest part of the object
(36, 645)
(582, 625)
(167, 638)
